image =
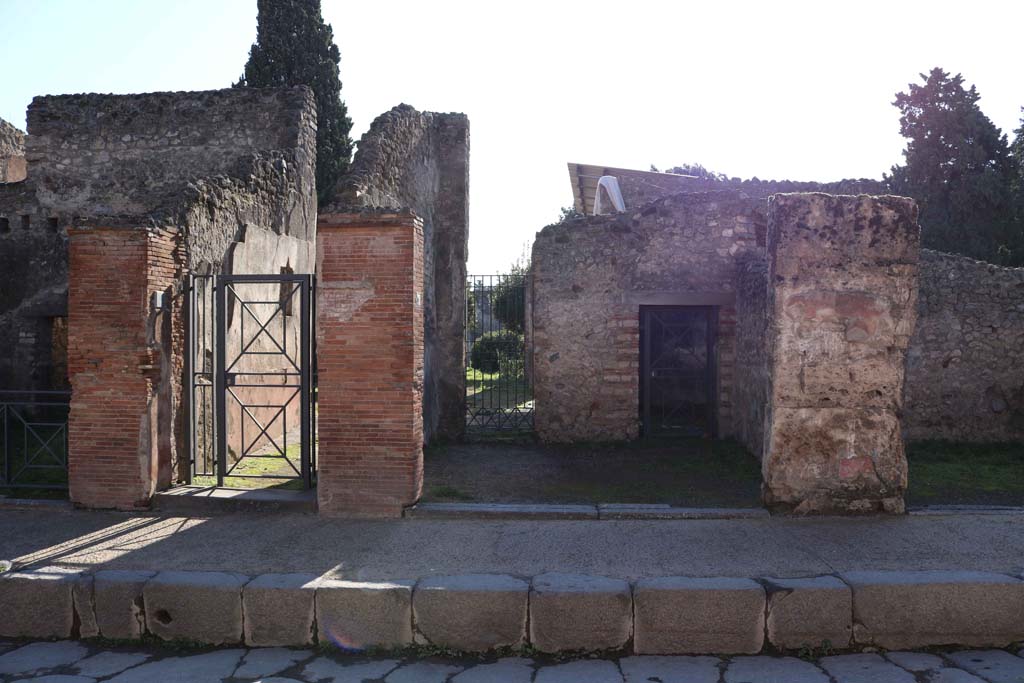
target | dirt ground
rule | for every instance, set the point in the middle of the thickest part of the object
(691, 473)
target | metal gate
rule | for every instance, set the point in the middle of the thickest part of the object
(34, 439)
(499, 385)
(252, 379)
(677, 370)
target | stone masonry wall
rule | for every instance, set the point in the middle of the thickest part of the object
(842, 306)
(965, 365)
(12, 153)
(420, 161)
(750, 391)
(591, 275)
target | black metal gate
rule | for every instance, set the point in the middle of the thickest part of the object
(34, 439)
(677, 370)
(499, 386)
(252, 379)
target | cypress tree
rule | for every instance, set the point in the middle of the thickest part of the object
(295, 47)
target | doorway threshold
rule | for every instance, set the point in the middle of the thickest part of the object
(205, 500)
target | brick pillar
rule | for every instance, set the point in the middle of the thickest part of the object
(370, 355)
(842, 307)
(121, 363)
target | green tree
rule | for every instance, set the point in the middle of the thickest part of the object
(1017, 156)
(508, 302)
(295, 47)
(959, 169)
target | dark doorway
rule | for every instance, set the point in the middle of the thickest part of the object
(677, 370)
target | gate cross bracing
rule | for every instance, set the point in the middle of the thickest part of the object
(251, 394)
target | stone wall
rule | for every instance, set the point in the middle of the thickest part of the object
(750, 392)
(420, 161)
(965, 365)
(12, 153)
(590, 276)
(842, 306)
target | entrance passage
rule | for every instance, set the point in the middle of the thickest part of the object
(677, 370)
(499, 386)
(252, 397)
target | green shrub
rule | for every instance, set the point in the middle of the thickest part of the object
(500, 352)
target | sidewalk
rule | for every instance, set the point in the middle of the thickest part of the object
(414, 548)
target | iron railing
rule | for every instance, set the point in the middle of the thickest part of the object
(34, 439)
(499, 383)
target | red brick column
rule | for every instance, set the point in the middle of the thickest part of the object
(370, 355)
(115, 362)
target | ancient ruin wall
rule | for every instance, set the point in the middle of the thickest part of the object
(842, 305)
(12, 153)
(420, 161)
(750, 390)
(591, 275)
(965, 365)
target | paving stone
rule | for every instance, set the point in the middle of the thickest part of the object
(897, 610)
(918, 662)
(864, 668)
(109, 663)
(573, 612)
(680, 615)
(210, 667)
(422, 672)
(808, 612)
(277, 679)
(120, 612)
(507, 670)
(472, 613)
(773, 670)
(679, 669)
(57, 678)
(949, 675)
(997, 666)
(324, 668)
(39, 656)
(23, 592)
(356, 615)
(279, 610)
(581, 671)
(204, 607)
(269, 661)
(82, 597)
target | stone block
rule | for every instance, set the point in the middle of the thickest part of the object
(120, 612)
(356, 614)
(203, 607)
(680, 615)
(808, 611)
(37, 603)
(279, 610)
(83, 599)
(895, 610)
(472, 613)
(570, 612)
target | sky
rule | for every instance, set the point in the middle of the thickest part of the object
(777, 90)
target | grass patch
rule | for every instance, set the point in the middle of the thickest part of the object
(250, 469)
(944, 472)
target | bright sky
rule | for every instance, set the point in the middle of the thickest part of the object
(770, 89)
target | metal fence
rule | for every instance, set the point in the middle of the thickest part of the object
(34, 439)
(499, 383)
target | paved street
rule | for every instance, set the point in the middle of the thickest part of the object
(80, 662)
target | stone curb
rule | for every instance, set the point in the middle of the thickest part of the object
(601, 511)
(552, 612)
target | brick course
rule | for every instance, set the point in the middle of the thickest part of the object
(370, 355)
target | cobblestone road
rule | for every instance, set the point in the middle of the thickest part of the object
(74, 662)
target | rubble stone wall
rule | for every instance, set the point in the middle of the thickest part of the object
(12, 153)
(965, 365)
(420, 161)
(590, 276)
(842, 306)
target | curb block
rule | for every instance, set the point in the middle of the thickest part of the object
(571, 612)
(680, 615)
(38, 603)
(897, 610)
(118, 603)
(201, 606)
(472, 613)
(353, 614)
(807, 612)
(278, 610)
